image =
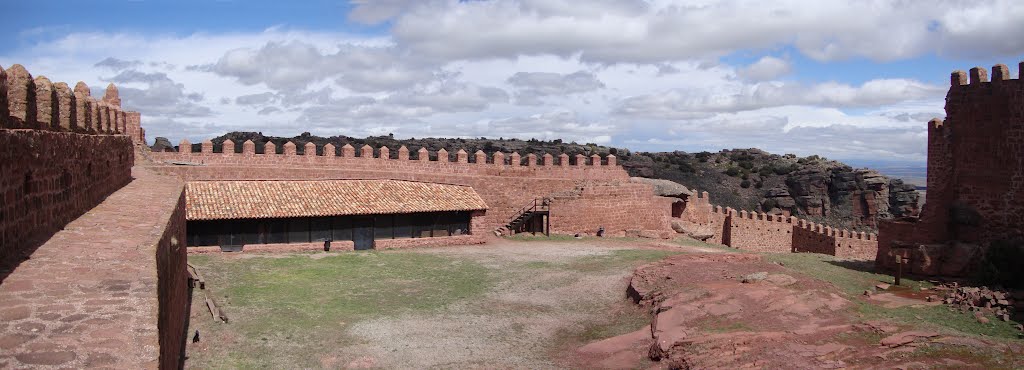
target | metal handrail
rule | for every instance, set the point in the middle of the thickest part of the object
(530, 207)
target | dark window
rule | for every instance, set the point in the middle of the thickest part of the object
(403, 225)
(320, 229)
(342, 227)
(246, 232)
(298, 230)
(383, 227)
(277, 231)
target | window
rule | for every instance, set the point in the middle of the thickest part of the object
(298, 230)
(320, 229)
(383, 226)
(342, 228)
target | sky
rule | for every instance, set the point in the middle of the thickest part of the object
(849, 80)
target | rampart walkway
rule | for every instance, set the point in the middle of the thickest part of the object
(88, 297)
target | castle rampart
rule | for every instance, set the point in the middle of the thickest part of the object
(975, 177)
(762, 232)
(505, 182)
(106, 284)
(57, 165)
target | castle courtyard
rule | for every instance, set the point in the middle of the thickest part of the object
(532, 302)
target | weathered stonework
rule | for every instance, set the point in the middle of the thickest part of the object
(975, 177)
(106, 285)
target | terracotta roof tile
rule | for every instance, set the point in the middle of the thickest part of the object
(218, 200)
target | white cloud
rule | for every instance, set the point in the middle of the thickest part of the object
(646, 74)
(533, 86)
(689, 103)
(766, 68)
(657, 31)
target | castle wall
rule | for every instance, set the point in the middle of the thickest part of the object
(173, 293)
(55, 164)
(617, 207)
(975, 170)
(761, 232)
(779, 234)
(506, 185)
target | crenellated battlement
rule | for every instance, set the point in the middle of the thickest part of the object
(975, 175)
(979, 76)
(36, 103)
(384, 158)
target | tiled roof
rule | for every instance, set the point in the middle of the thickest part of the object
(218, 200)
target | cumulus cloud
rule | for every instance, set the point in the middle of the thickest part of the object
(562, 124)
(766, 68)
(256, 99)
(650, 32)
(690, 104)
(161, 96)
(294, 65)
(117, 64)
(532, 86)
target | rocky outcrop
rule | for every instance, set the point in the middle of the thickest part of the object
(162, 145)
(664, 188)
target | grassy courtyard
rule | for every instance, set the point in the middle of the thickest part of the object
(524, 302)
(441, 307)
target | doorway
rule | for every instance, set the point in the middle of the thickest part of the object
(362, 233)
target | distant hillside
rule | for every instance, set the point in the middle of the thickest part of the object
(812, 187)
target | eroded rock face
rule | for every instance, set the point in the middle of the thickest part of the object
(162, 144)
(664, 188)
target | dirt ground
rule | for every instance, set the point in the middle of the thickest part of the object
(559, 304)
(538, 297)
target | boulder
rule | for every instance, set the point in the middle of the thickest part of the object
(693, 230)
(664, 188)
(162, 145)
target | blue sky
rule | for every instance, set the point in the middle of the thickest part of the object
(848, 80)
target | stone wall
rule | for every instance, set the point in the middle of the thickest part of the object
(61, 153)
(975, 173)
(617, 207)
(173, 292)
(761, 232)
(506, 187)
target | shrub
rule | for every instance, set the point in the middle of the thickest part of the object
(745, 184)
(732, 171)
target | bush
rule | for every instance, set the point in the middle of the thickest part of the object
(745, 184)
(784, 170)
(732, 171)
(746, 164)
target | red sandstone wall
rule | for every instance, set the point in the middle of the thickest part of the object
(506, 190)
(383, 163)
(779, 234)
(60, 155)
(974, 164)
(617, 207)
(761, 232)
(50, 178)
(428, 242)
(173, 291)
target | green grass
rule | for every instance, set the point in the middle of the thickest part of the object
(278, 305)
(690, 242)
(853, 282)
(617, 259)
